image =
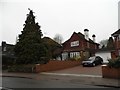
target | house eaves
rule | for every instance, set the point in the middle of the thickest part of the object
(116, 33)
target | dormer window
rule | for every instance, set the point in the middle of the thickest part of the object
(74, 43)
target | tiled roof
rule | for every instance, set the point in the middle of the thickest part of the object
(105, 49)
(82, 37)
(51, 41)
(116, 33)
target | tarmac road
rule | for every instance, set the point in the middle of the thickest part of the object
(46, 82)
(76, 77)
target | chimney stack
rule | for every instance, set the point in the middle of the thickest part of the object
(3, 46)
(93, 36)
(86, 33)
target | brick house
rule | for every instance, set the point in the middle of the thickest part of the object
(7, 49)
(7, 54)
(53, 47)
(79, 45)
(116, 36)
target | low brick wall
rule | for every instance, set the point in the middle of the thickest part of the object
(56, 65)
(110, 72)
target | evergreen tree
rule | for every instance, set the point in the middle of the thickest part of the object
(29, 48)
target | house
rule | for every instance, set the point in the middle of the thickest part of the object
(7, 49)
(53, 48)
(0, 55)
(7, 53)
(116, 36)
(79, 45)
(104, 53)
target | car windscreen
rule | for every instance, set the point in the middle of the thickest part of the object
(91, 58)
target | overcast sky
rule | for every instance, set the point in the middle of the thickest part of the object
(60, 17)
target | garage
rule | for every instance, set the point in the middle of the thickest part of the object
(104, 54)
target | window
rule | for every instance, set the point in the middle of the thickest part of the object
(64, 55)
(74, 43)
(4, 49)
(77, 54)
(119, 37)
(71, 55)
(74, 54)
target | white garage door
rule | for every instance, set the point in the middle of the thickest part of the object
(104, 55)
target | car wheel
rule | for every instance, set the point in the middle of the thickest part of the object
(93, 64)
(83, 65)
(101, 63)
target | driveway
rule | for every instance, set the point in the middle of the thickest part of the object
(81, 70)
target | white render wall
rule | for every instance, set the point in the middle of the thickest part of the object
(105, 55)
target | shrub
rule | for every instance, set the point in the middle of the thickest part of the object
(114, 63)
(71, 59)
(22, 68)
(43, 60)
(78, 58)
(8, 60)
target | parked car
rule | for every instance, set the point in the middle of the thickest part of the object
(92, 61)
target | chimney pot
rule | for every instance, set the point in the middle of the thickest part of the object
(86, 30)
(86, 33)
(93, 37)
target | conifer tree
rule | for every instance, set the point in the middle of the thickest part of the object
(29, 48)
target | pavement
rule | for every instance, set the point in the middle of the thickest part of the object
(78, 74)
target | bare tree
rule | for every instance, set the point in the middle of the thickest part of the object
(58, 38)
(103, 43)
(110, 43)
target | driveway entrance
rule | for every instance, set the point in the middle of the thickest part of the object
(81, 70)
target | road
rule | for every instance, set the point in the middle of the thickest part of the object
(43, 82)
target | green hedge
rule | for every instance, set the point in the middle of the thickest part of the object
(22, 68)
(114, 63)
(8, 60)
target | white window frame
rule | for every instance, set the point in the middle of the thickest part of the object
(64, 55)
(71, 55)
(75, 43)
(74, 54)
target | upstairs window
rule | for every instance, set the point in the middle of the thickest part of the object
(4, 49)
(119, 37)
(74, 43)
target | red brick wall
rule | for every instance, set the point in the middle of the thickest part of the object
(110, 72)
(82, 43)
(114, 54)
(92, 46)
(74, 37)
(118, 47)
(117, 43)
(56, 65)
